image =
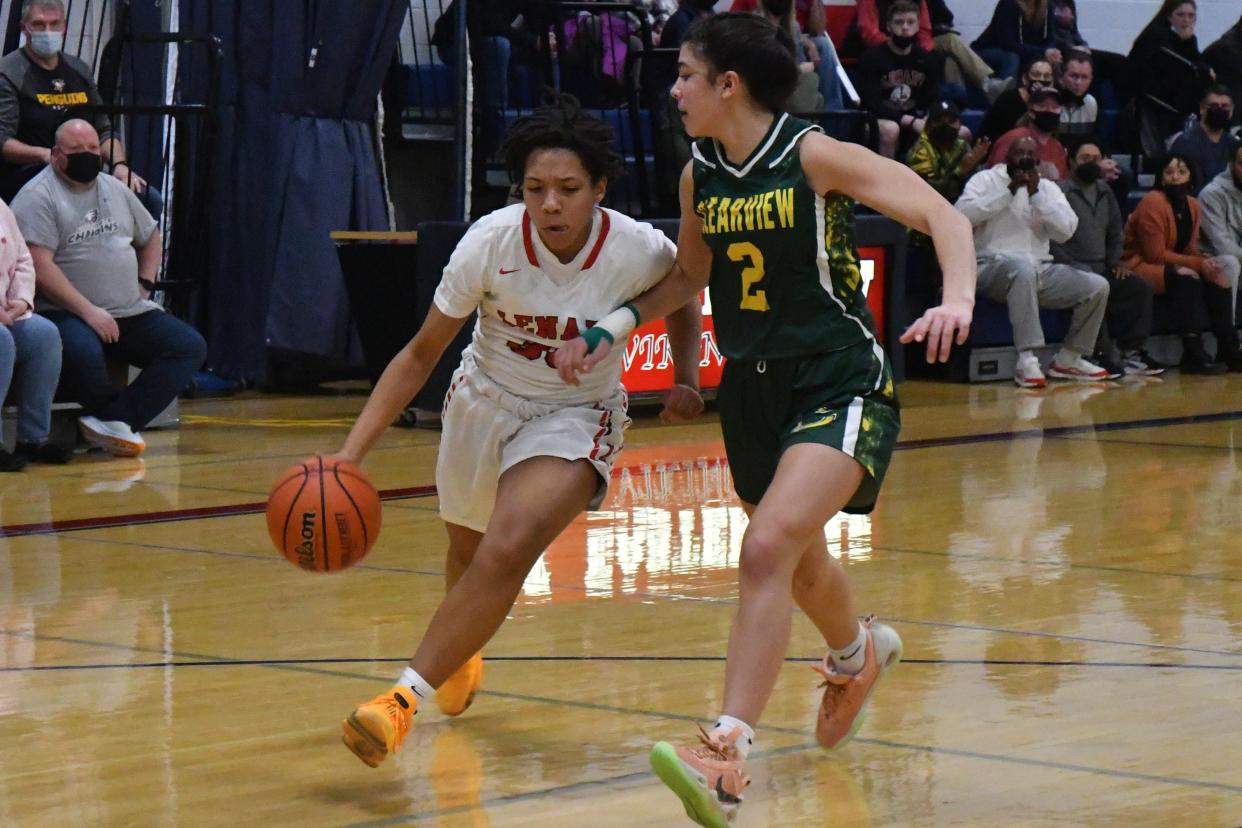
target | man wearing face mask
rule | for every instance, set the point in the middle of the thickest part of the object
(1042, 120)
(1096, 246)
(40, 88)
(1079, 109)
(941, 155)
(1221, 229)
(1016, 213)
(1206, 143)
(97, 253)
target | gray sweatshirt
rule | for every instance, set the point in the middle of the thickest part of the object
(1096, 243)
(1221, 231)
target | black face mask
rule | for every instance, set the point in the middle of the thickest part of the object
(83, 167)
(1046, 121)
(942, 135)
(903, 41)
(1237, 180)
(1088, 172)
(1021, 166)
(1217, 117)
(1176, 193)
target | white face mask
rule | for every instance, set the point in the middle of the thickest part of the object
(46, 44)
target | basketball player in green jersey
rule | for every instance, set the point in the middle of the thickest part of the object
(807, 405)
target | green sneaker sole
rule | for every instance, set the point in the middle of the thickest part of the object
(699, 803)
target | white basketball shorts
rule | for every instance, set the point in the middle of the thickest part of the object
(487, 430)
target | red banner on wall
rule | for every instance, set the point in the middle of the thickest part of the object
(647, 365)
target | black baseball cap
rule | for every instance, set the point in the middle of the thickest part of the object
(1045, 92)
(944, 108)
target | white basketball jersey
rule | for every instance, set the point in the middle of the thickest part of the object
(529, 302)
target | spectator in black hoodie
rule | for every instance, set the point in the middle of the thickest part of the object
(1020, 31)
(1168, 72)
(1225, 57)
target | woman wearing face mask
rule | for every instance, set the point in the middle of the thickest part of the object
(1005, 112)
(1162, 246)
(1168, 72)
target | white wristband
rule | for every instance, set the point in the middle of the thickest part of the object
(620, 323)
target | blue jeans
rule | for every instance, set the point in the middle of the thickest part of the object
(829, 83)
(166, 349)
(1005, 63)
(30, 350)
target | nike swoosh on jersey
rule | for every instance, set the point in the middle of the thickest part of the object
(504, 272)
(820, 423)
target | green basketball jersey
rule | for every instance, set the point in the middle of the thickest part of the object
(785, 280)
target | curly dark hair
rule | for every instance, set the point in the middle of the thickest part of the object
(562, 124)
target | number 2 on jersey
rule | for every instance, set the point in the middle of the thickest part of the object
(752, 298)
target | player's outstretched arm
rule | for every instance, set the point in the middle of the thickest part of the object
(681, 285)
(896, 191)
(401, 380)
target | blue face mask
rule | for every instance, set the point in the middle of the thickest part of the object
(46, 44)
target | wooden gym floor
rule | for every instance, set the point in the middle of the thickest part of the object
(1065, 567)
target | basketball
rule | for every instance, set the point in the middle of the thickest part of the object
(323, 514)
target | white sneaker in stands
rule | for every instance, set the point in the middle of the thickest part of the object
(1079, 369)
(113, 436)
(1026, 373)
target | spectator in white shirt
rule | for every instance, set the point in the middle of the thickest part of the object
(1016, 213)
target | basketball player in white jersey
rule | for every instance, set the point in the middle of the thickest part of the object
(522, 453)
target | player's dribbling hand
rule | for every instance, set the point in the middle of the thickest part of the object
(937, 326)
(682, 404)
(572, 359)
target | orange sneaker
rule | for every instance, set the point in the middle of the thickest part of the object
(845, 697)
(378, 727)
(456, 694)
(708, 779)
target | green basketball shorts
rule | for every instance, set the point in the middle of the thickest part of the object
(842, 399)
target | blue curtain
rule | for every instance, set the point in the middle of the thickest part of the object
(293, 159)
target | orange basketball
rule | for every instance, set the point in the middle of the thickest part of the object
(323, 514)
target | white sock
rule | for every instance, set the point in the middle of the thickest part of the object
(850, 658)
(417, 683)
(725, 725)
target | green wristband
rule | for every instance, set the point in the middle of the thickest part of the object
(594, 336)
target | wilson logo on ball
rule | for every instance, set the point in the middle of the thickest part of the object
(323, 514)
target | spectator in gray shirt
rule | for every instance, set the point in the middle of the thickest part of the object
(1220, 234)
(96, 254)
(1096, 246)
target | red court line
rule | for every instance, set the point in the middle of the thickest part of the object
(172, 515)
(18, 530)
